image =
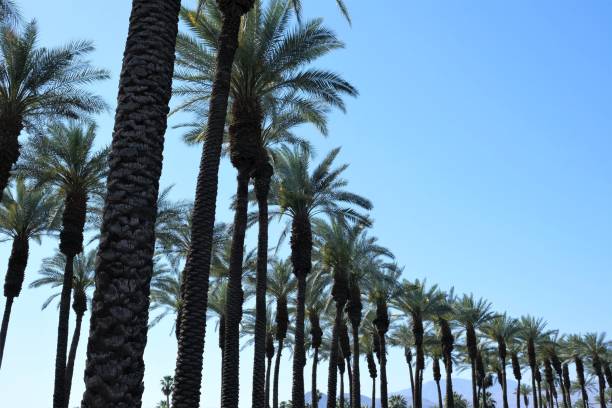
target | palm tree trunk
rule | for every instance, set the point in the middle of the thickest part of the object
(276, 372)
(332, 376)
(341, 395)
(448, 368)
(72, 355)
(314, 395)
(59, 390)
(563, 393)
(384, 401)
(267, 394)
(233, 309)
(475, 398)
(373, 392)
(518, 394)
(188, 373)
(5, 321)
(538, 400)
(534, 388)
(127, 240)
(349, 372)
(299, 356)
(504, 383)
(262, 187)
(355, 380)
(602, 390)
(418, 378)
(9, 147)
(411, 383)
(440, 403)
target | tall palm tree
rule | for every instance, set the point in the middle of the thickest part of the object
(26, 214)
(471, 314)
(502, 329)
(401, 336)
(188, 376)
(65, 160)
(553, 351)
(167, 384)
(532, 332)
(515, 348)
(38, 84)
(433, 349)
(52, 272)
(525, 391)
(420, 303)
(302, 194)
(446, 338)
(127, 238)
(596, 347)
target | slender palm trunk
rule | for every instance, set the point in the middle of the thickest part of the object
(411, 383)
(341, 395)
(314, 395)
(276, 372)
(602, 390)
(539, 395)
(450, 401)
(72, 355)
(332, 376)
(118, 329)
(299, 356)
(534, 388)
(268, 371)
(373, 392)
(59, 391)
(262, 187)
(518, 394)
(355, 379)
(563, 392)
(188, 373)
(418, 401)
(5, 321)
(384, 399)
(233, 309)
(440, 404)
(10, 128)
(475, 398)
(504, 383)
(349, 373)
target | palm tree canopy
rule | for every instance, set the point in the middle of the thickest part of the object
(39, 83)
(28, 212)
(420, 301)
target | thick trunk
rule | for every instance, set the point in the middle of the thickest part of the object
(504, 383)
(314, 394)
(602, 390)
(384, 401)
(418, 401)
(118, 330)
(538, 400)
(262, 187)
(355, 380)
(5, 321)
(72, 355)
(276, 372)
(448, 366)
(233, 308)
(475, 399)
(59, 390)
(332, 376)
(188, 373)
(534, 390)
(10, 128)
(299, 356)
(267, 394)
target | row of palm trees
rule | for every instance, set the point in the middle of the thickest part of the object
(246, 70)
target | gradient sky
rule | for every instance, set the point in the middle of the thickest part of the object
(483, 134)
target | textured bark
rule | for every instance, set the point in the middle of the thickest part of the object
(268, 372)
(531, 356)
(10, 128)
(74, 344)
(408, 355)
(353, 310)
(233, 312)
(301, 259)
(448, 343)
(501, 349)
(188, 373)
(373, 374)
(471, 343)
(262, 188)
(356, 380)
(332, 376)
(581, 380)
(316, 335)
(548, 374)
(314, 394)
(437, 377)
(567, 384)
(518, 394)
(118, 330)
(341, 371)
(276, 372)
(13, 283)
(417, 331)
(59, 390)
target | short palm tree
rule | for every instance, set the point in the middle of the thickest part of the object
(420, 303)
(65, 160)
(38, 84)
(471, 314)
(52, 272)
(167, 384)
(25, 214)
(502, 329)
(301, 194)
(398, 401)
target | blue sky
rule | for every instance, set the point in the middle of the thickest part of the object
(483, 134)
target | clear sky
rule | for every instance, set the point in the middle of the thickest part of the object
(483, 134)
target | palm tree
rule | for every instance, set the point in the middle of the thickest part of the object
(471, 314)
(502, 330)
(433, 349)
(447, 342)
(532, 332)
(595, 346)
(9, 13)
(39, 84)
(64, 159)
(28, 213)
(420, 303)
(552, 350)
(525, 391)
(516, 368)
(401, 336)
(302, 194)
(188, 376)
(166, 294)
(167, 384)
(398, 401)
(52, 272)
(367, 342)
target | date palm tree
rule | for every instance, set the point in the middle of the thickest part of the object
(38, 84)
(167, 384)
(532, 332)
(502, 329)
(420, 303)
(401, 336)
(595, 347)
(515, 359)
(471, 314)
(301, 194)
(26, 214)
(166, 294)
(52, 272)
(524, 390)
(445, 324)
(65, 160)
